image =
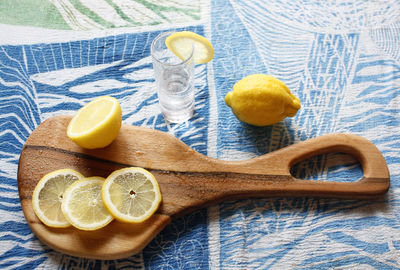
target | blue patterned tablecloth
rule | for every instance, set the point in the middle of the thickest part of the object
(341, 58)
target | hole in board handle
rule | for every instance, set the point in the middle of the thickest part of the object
(333, 167)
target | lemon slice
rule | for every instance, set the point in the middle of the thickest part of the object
(48, 196)
(83, 207)
(96, 124)
(181, 44)
(131, 194)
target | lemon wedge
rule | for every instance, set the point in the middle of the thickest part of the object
(48, 196)
(96, 124)
(131, 194)
(181, 44)
(83, 207)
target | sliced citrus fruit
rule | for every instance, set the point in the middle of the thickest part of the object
(131, 194)
(83, 207)
(182, 43)
(48, 196)
(96, 124)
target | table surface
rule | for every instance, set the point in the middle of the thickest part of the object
(341, 58)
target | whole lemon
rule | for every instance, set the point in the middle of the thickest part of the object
(262, 100)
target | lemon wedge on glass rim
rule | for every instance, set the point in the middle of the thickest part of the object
(48, 196)
(82, 205)
(131, 194)
(97, 123)
(182, 43)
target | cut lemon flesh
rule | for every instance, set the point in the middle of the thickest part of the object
(48, 196)
(96, 124)
(182, 44)
(83, 207)
(131, 194)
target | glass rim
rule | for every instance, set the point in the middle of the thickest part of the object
(163, 63)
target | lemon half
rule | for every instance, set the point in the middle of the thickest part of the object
(97, 123)
(131, 194)
(181, 44)
(48, 196)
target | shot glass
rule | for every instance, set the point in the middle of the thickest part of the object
(174, 80)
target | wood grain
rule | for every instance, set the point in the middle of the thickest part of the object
(187, 179)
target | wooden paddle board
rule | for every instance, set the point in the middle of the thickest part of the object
(188, 180)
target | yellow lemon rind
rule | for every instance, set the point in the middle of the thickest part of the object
(114, 211)
(35, 197)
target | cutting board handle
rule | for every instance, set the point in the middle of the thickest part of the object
(273, 170)
(370, 158)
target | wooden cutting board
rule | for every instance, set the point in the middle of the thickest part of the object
(187, 179)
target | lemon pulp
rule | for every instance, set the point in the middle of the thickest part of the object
(96, 124)
(83, 206)
(48, 196)
(131, 194)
